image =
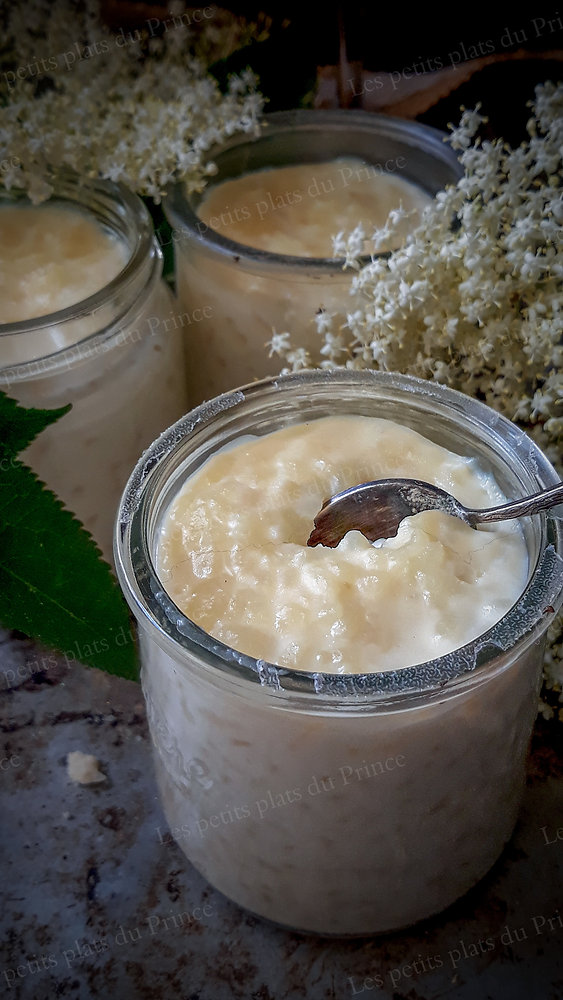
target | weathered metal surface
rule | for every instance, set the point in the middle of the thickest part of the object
(99, 902)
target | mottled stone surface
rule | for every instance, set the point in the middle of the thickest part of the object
(99, 902)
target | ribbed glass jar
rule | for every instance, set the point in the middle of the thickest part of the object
(354, 803)
(246, 292)
(116, 356)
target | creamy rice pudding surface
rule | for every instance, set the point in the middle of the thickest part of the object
(297, 209)
(52, 257)
(234, 558)
(291, 210)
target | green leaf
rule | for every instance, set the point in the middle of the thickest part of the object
(163, 233)
(53, 584)
(19, 426)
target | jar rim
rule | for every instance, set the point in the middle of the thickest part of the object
(522, 625)
(177, 203)
(87, 195)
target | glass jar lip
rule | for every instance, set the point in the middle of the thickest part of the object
(520, 626)
(301, 120)
(76, 190)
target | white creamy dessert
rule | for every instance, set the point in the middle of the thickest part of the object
(107, 362)
(51, 257)
(289, 210)
(336, 802)
(233, 553)
(297, 210)
(341, 822)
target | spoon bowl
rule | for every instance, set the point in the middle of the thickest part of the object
(377, 509)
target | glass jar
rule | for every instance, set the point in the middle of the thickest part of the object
(339, 804)
(242, 293)
(116, 356)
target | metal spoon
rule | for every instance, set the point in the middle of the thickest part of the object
(377, 509)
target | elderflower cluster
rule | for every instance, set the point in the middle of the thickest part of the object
(131, 105)
(473, 298)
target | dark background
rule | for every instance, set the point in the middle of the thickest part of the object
(424, 38)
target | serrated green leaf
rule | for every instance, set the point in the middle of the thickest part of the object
(20, 426)
(54, 586)
(163, 234)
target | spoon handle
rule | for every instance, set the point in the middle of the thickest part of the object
(519, 508)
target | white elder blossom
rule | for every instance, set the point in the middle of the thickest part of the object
(279, 344)
(130, 105)
(475, 303)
